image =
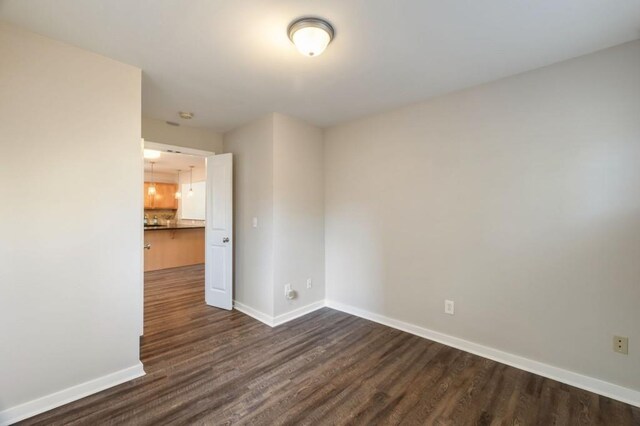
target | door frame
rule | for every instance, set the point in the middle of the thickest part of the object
(175, 149)
(171, 149)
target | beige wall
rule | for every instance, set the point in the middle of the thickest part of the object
(162, 177)
(189, 137)
(252, 148)
(519, 200)
(69, 281)
(298, 201)
(279, 180)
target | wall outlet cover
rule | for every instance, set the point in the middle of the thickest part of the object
(309, 283)
(621, 344)
(448, 307)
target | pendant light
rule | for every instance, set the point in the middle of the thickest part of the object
(152, 187)
(190, 194)
(178, 194)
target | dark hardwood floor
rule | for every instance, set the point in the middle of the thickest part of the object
(210, 366)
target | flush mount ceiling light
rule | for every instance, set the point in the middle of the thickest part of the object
(185, 115)
(310, 35)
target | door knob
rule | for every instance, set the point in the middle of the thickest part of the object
(225, 240)
(147, 246)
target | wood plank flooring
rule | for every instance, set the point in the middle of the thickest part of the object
(210, 366)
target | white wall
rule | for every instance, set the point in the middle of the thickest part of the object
(278, 163)
(252, 148)
(298, 201)
(186, 136)
(519, 200)
(69, 280)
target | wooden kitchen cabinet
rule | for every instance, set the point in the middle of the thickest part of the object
(148, 199)
(164, 197)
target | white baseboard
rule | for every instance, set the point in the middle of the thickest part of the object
(297, 313)
(29, 409)
(272, 321)
(619, 393)
(254, 313)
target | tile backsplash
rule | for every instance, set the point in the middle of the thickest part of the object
(163, 216)
(169, 215)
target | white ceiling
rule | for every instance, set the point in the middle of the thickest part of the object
(231, 61)
(170, 163)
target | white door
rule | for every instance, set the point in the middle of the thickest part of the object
(218, 232)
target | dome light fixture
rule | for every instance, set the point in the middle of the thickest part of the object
(310, 35)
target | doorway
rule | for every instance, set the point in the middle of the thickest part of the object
(188, 216)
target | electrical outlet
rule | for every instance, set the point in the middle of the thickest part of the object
(254, 222)
(289, 293)
(309, 283)
(448, 307)
(621, 344)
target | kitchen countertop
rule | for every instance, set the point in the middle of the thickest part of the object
(172, 227)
